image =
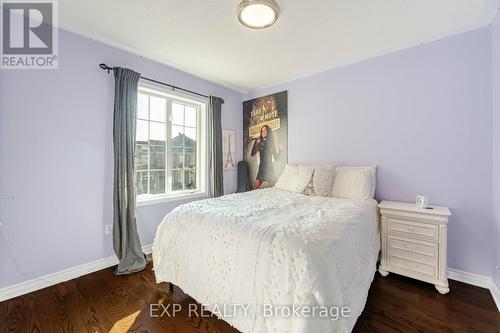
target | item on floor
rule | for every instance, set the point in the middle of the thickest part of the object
(243, 177)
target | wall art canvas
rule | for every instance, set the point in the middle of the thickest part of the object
(265, 138)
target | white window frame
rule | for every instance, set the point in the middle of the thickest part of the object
(202, 140)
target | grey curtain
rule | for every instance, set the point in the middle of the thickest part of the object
(216, 166)
(126, 242)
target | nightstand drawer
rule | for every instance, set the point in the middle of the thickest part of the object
(423, 230)
(425, 270)
(420, 251)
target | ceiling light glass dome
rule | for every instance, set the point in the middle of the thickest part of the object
(258, 14)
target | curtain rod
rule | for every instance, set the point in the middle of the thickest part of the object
(109, 69)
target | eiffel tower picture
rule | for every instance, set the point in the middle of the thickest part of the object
(309, 189)
(228, 137)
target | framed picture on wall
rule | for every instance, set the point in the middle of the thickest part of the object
(229, 149)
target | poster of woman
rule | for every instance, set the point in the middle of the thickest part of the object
(265, 138)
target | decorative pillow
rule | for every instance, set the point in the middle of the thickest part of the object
(354, 182)
(321, 179)
(292, 180)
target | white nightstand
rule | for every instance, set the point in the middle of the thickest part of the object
(414, 242)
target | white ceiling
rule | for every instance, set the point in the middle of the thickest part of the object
(204, 37)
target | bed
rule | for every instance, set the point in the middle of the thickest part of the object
(270, 249)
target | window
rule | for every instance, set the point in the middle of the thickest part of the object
(170, 146)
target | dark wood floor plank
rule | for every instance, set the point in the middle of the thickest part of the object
(416, 307)
(115, 309)
(14, 318)
(102, 302)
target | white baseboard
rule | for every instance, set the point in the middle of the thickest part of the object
(478, 281)
(61, 276)
(147, 249)
(470, 278)
(495, 292)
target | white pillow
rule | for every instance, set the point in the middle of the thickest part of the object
(292, 180)
(322, 178)
(354, 182)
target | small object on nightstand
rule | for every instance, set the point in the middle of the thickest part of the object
(414, 242)
(422, 202)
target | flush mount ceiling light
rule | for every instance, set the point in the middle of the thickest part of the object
(258, 14)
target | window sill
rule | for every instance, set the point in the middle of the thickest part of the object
(158, 199)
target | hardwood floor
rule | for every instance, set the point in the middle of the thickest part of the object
(102, 302)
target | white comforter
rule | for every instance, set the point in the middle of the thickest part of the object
(272, 247)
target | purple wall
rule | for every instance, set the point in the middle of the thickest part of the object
(56, 153)
(423, 115)
(495, 37)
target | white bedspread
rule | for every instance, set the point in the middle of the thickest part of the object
(272, 247)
